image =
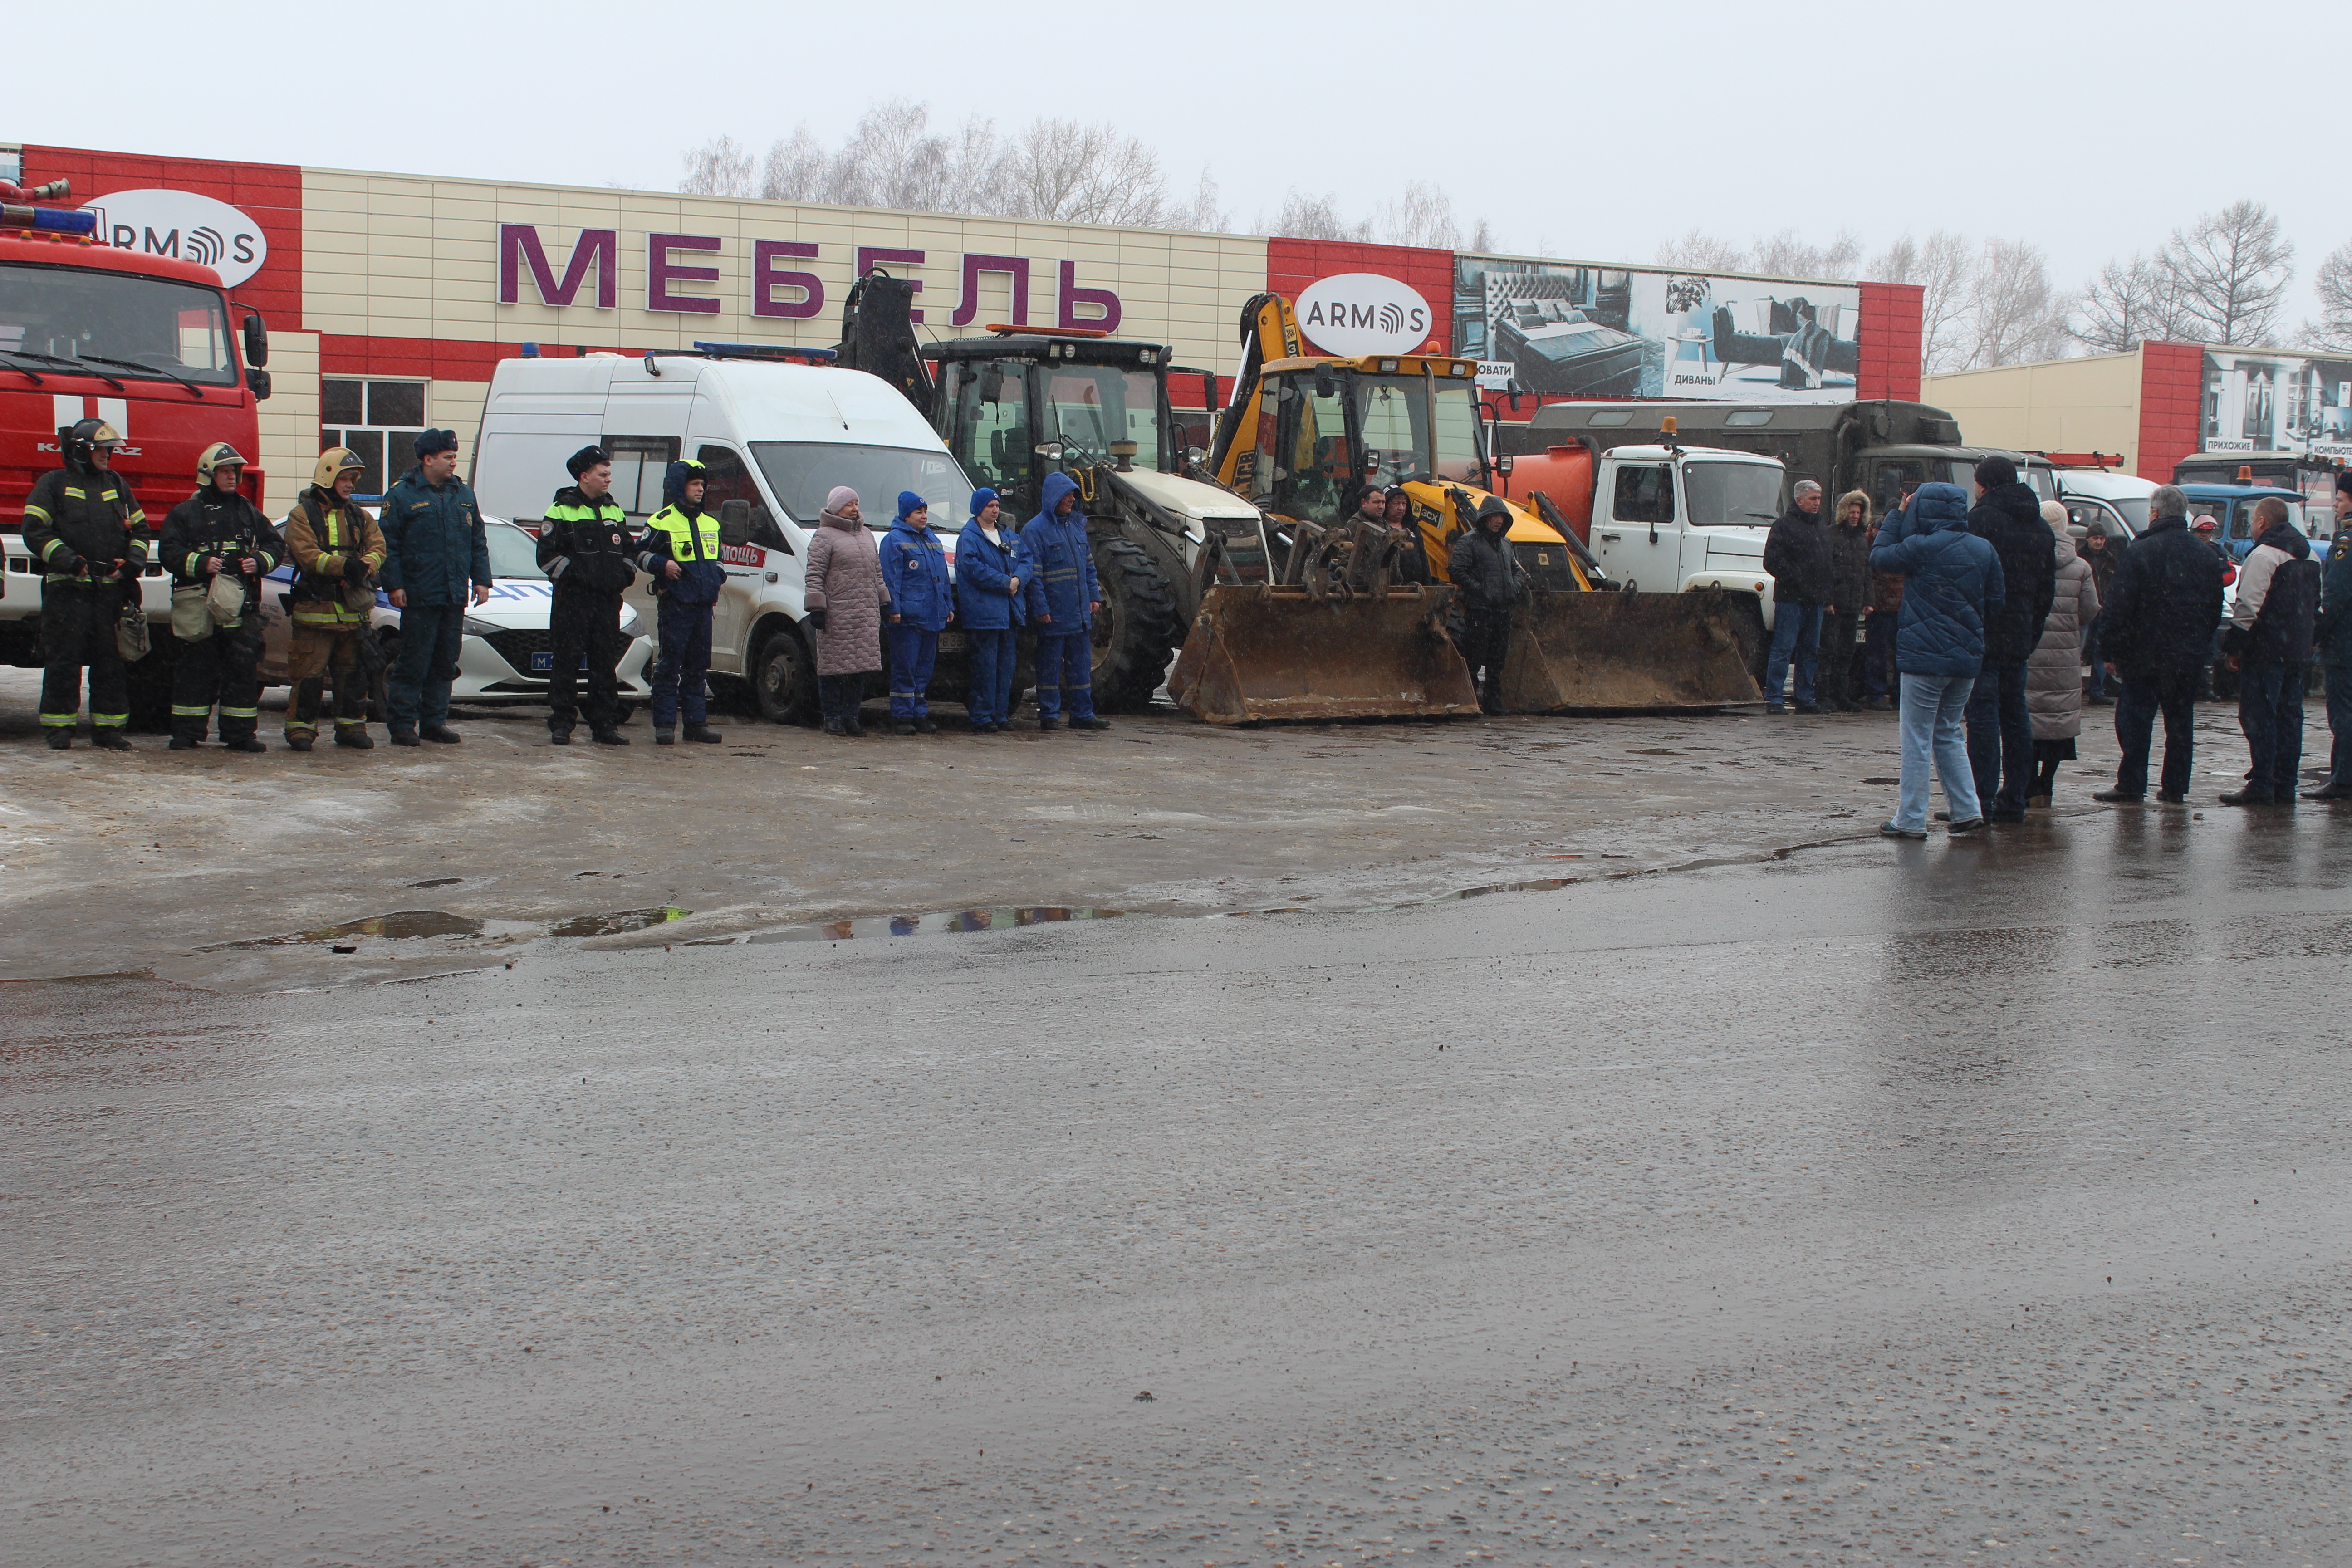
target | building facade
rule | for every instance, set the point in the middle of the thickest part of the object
(390, 298)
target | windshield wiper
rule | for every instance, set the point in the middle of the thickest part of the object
(1767, 516)
(58, 359)
(137, 365)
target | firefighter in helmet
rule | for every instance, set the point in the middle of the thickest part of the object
(337, 549)
(218, 547)
(85, 528)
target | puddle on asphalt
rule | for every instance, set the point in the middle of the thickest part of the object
(404, 924)
(950, 923)
(614, 924)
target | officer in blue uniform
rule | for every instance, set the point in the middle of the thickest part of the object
(1057, 556)
(681, 555)
(922, 603)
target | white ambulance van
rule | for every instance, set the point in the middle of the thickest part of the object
(775, 436)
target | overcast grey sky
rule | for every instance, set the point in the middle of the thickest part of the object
(1586, 131)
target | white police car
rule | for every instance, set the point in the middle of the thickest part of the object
(508, 650)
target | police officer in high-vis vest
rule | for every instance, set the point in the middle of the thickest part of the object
(681, 551)
(85, 528)
(215, 535)
(337, 551)
(584, 549)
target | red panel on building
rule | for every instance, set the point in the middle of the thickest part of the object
(269, 194)
(1889, 342)
(1292, 264)
(2171, 406)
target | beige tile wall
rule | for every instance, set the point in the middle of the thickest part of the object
(290, 419)
(384, 256)
(2057, 406)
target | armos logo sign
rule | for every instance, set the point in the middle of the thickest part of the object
(183, 225)
(1363, 313)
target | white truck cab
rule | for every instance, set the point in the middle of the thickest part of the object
(774, 435)
(1668, 520)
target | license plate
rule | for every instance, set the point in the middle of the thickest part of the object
(541, 663)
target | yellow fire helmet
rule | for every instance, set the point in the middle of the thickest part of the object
(219, 455)
(334, 462)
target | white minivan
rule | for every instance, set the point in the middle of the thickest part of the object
(773, 434)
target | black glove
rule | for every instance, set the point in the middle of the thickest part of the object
(130, 572)
(65, 561)
(816, 619)
(355, 569)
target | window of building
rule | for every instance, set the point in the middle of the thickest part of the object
(380, 420)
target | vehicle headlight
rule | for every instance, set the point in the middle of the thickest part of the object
(630, 624)
(476, 628)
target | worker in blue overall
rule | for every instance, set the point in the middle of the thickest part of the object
(922, 603)
(680, 553)
(1056, 556)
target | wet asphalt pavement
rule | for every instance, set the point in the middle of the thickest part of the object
(1964, 1201)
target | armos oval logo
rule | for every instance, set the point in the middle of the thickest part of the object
(184, 224)
(1364, 313)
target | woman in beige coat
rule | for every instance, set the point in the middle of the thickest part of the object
(846, 601)
(2053, 674)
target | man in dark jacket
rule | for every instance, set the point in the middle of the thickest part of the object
(85, 527)
(680, 553)
(1849, 544)
(2334, 639)
(1413, 555)
(2269, 644)
(2154, 629)
(1797, 559)
(1486, 575)
(2103, 554)
(1952, 585)
(584, 550)
(2007, 516)
(216, 534)
(438, 566)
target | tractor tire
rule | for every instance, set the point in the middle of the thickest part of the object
(783, 679)
(1138, 630)
(1755, 642)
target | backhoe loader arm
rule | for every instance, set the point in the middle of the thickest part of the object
(1269, 332)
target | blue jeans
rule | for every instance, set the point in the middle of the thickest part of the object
(1794, 627)
(1933, 706)
(993, 655)
(2270, 710)
(682, 665)
(914, 653)
(2001, 737)
(1065, 676)
(417, 690)
(2339, 724)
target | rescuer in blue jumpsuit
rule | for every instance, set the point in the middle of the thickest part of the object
(1057, 556)
(922, 603)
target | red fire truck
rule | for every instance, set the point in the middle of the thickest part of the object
(148, 343)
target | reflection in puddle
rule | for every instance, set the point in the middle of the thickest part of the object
(924, 925)
(614, 924)
(1541, 885)
(404, 924)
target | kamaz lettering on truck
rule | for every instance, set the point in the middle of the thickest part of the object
(775, 438)
(147, 343)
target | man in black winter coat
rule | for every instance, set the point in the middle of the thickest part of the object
(2007, 516)
(2154, 629)
(1797, 559)
(1486, 575)
(584, 546)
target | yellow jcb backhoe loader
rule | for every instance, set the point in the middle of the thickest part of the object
(1302, 437)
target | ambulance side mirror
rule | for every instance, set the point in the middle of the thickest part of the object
(735, 522)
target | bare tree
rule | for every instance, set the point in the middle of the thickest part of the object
(1423, 216)
(1202, 215)
(2129, 303)
(1785, 255)
(2231, 268)
(2333, 283)
(1483, 239)
(1944, 266)
(1315, 217)
(720, 168)
(2013, 317)
(1702, 253)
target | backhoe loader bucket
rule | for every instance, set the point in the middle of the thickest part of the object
(1258, 652)
(1577, 652)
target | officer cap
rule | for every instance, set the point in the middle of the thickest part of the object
(587, 458)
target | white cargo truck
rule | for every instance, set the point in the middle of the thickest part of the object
(774, 435)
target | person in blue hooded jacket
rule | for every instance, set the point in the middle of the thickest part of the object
(1951, 582)
(989, 595)
(680, 553)
(1060, 559)
(922, 603)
